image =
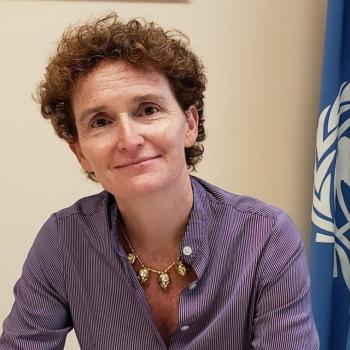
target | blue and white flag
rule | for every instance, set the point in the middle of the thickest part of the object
(330, 247)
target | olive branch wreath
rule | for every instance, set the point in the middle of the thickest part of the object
(332, 168)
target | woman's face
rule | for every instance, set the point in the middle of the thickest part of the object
(131, 130)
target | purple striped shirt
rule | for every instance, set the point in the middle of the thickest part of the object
(252, 290)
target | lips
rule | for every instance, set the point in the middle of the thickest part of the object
(135, 161)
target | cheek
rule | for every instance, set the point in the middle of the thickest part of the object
(96, 151)
(172, 135)
(171, 143)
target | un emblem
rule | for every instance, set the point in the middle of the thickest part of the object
(331, 194)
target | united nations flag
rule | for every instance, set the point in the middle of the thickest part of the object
(330, 247)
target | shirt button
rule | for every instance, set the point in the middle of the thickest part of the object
(187, 250)
(193, 286)
(185, 328)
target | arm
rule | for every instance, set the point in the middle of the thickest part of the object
(283, 317)
(39, 318)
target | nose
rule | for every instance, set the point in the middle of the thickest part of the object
(129, 136)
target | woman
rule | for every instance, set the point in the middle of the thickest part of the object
(160, 259)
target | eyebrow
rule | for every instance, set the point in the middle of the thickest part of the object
(149, 97)
(160, 98)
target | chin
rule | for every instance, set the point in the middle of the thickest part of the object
(139, 185)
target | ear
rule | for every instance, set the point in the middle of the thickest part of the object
(76, 149)
(192, 119)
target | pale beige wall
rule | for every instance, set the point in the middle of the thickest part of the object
(263, 62)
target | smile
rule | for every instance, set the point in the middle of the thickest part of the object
(137, 162)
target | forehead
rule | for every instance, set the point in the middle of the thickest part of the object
(120, 76)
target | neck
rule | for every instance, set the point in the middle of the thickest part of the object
(155, 223)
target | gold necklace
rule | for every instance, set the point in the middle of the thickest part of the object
(163, 276)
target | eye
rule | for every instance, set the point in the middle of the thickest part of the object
(100, 122)
(149, 110)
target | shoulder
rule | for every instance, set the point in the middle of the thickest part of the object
(237, 203)
(85, 206)
(68, 221)
(65, 230)
(248, 218)
(242, 221)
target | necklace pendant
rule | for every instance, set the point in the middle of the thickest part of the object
(164, 280)
(181, 268)
(142, 275)
(131, 258)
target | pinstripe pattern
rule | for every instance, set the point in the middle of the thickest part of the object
(252, 290)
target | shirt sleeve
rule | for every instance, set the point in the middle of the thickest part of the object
(40, 317)
(283, 316)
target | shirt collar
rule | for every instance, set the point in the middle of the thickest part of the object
(114, 216)
(196, 235)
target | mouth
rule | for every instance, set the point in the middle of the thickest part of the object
(137, 162)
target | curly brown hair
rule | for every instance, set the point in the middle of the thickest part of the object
(138, 42)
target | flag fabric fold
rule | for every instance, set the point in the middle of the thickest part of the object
(330, 240)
